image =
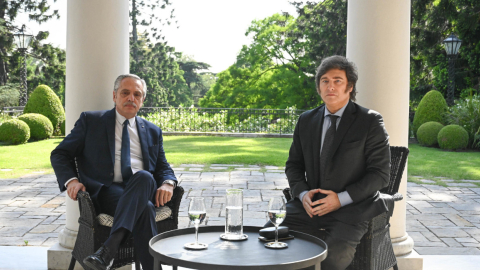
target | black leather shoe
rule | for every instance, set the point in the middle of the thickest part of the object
(100, 260)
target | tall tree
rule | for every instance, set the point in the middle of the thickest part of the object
(38, 11)
(191, 73)
(151, 57)
(277, 69)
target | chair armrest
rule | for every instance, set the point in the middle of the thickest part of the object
(88, 215)
(397, 197)
(174, 203)
(287, 193)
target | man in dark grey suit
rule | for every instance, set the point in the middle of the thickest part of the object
(338, 161)
(122, 164)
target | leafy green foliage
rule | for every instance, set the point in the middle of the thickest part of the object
(44, 101)
(14, 132)
(40, 126)
(431, 23)
(466, 113)
(427, 133)
(431, 108)
(157, 66)
(194, 120)
(453, 137)
(9, 95)
(10, 61)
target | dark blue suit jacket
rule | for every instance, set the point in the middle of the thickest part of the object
(91, 144)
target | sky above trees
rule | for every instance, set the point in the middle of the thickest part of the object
(212, 31)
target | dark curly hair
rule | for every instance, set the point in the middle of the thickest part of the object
(339, 62)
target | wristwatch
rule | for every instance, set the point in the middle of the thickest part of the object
(171, 183)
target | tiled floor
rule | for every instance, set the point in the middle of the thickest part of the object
(441, 220)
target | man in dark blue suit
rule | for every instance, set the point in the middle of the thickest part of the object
(122, 164)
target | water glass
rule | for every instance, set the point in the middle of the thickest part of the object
(233, 215)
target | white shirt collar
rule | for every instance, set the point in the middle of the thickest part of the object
(120, 118)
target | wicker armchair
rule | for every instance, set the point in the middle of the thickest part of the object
(375, 251)
(91, 234)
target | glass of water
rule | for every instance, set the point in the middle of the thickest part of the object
(233, 215)
(197, 213)
(277, 211)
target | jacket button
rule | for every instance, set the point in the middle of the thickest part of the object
(111, 174)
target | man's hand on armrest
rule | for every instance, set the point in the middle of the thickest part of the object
(164, 194)
(73, 186)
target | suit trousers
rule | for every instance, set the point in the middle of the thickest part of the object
(341, 238)
(132, 207)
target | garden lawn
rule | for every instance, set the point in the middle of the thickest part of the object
(426, 162)
(430, 162)
(226, 150)
(29, 158)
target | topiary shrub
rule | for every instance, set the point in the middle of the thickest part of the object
(40, 126)
(453, 137)
(14, 131)
(431, 108)
(62, 128)
(427, 133)
(44, 101)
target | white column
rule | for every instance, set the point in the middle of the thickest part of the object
(378, 42)
(97, 52)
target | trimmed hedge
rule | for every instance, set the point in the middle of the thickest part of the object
(14, 131)
(431, 108)
(44, 101)
(40, 126)
(453, 137)
(427, 133)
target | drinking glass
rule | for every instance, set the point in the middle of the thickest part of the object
(234, 215)
(277, 211)
(197, 213)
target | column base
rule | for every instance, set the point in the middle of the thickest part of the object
(411, 261)
(59, 259)
(407, 257)
(67, 238)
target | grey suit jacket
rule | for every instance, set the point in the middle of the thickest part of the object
(360, 163)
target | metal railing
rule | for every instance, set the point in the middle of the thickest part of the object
(238, 120)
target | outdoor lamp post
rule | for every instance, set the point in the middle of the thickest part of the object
(452, 45)
(22, 40)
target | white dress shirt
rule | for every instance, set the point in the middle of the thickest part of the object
(136, 158)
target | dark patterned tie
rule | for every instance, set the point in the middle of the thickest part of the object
(125, 162)
(327, 146)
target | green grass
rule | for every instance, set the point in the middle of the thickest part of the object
(27, 158)
(226, 150)
(425, 162)
(433, 162)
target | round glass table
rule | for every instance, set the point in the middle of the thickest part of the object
(303, 251)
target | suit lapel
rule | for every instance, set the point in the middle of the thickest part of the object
(317, 123)
(347, 119)
(110, 119)
(142, 135)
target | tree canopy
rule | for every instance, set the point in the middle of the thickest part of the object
(277, 70)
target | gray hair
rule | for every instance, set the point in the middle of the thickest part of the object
(119, 79)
